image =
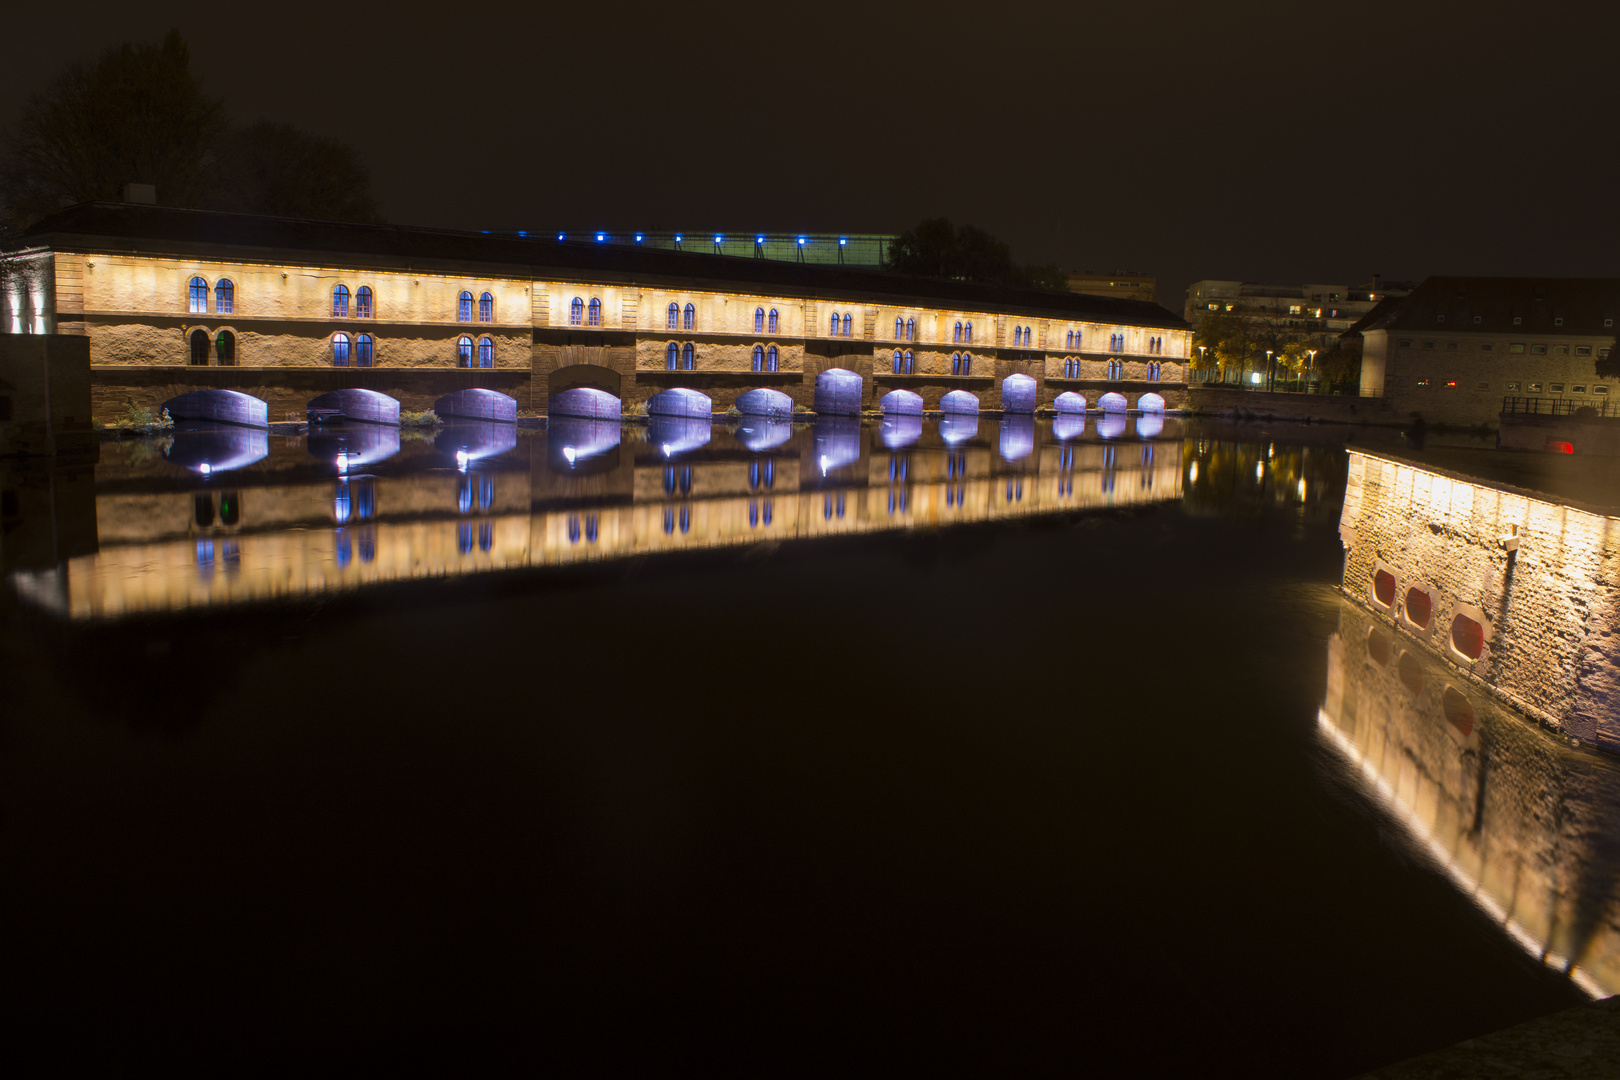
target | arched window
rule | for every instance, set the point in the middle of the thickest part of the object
(1018, 336)
(957, 339)
(674, 316)
(688, 357)
(464, 307)
(486, 308)
(464, 352)
(1116, 370)
(967, 333)
(899, 328)
(576, 312)
(363, 350)
(956, 363)
(199, 347)
(224, 297)
(899, 362)
(759, 321)
(672, 354)
(771, 358)
(759, 351)
(911, 329)
(834, 326)
(1029, 337)
(849, 324)
(908, 362)
(967, 363)
(199, 296)
(225, 348)
(486, 352)
(363, 308)
(340, 350)
(340, 302)
(1153, 371)
(773, 321)
(594, 318)
(691, 316)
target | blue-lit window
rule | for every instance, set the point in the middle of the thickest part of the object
(464, 307)
(363, 308)
(967, 333)
(956, 363)
(691, 317)
(199, 296)
(486, 352)
(967, 364)
(911, 329)
(576, 312)
(672, 356)
(773, 321)
(1018, 336)
(1153, 371)
(340, 350)
(849, 324)
(340, 302)
(364, 349)
(771, 358)
(486, 308)
(464, 351)
(899, 361)
(669, 521)
(224, 297)
(759, 358)
(688, 357)
(1116, 370)
(908, 362)
(833, 326)
(899, 328)
(593, 316)
(957, 338)
(759, 320)
(674, 316)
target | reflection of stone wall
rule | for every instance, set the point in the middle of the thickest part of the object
(1520, 821)
(1550, 612)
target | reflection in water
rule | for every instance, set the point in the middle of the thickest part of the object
(759, 434)
(354, 446)
(467, 441)
(298, 536)
(1067, 426)
(1227, 475)
(207, 448)
(1501, 808)
(1111, 425)
(576, 444)
(1150, 425)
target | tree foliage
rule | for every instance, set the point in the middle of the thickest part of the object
(1241, 339)
(937, 248)
(137, 114)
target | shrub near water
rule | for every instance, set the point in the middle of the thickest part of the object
(418, 418)
(142, 421)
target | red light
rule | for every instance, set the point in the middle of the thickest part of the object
(1452, 384)
(1556, 447)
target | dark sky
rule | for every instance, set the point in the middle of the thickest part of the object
(1262, 141)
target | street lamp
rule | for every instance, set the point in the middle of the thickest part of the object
(1312, 370)
(1202, 361)
(1269, 385)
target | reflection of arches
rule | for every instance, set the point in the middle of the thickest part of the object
(199, 348)
(1150, 403)
(1068, 425)
(838, 393)
(764, 402)
(901, 403)
(224, 406)
(356, 404)
(212, 448)
(1017, 438)
(479, 404)
(585, 401)
(1112, 403)
(1150, 425)
(1070, 402)
(592, 375)
(1018, 394)
(1111, 425)
(961, 402)
(681, 402)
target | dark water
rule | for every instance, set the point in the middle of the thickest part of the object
(558, 751)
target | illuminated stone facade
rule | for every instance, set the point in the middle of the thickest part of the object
(534, 317)
(1436, 556)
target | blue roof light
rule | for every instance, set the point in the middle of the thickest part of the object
(842, 240)
(801, 240)
(562, 236)
(718, 239)
(759, 239)
(677, 238)
(638, 238)
(522, 233)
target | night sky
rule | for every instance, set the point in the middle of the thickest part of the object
(1270, 142)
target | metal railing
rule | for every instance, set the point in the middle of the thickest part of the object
(1241, 380)
(1540, 406)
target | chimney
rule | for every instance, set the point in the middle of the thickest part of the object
(141, 193)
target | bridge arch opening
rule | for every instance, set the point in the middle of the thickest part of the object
(1150, 402)
(1070, 402)
(682, 402)
(476, 403)
(594, 376)
(1111, 403)
(352, 403)
(838, 392)
(220, 406)
(901, 403)
(959, 402)
(1018, 394)
(584, 402)
(765, 402)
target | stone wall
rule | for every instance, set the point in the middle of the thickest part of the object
(1585, 435)
(1322, 408)
(1549, 610)
(45, 394)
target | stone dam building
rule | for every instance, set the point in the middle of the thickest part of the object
(177, 301)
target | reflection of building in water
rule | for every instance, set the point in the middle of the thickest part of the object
(1226, 476)
(1520, 822)
(1521, 593)
(536, 506)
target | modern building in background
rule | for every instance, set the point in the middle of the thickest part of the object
(180, 300)
(1454, 348)
(1125, 284)
(1319, 311)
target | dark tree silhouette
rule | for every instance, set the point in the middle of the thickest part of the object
(135, 115)
(936, 248)
(277, 169)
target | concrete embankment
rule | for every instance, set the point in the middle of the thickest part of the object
(1317, 408)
